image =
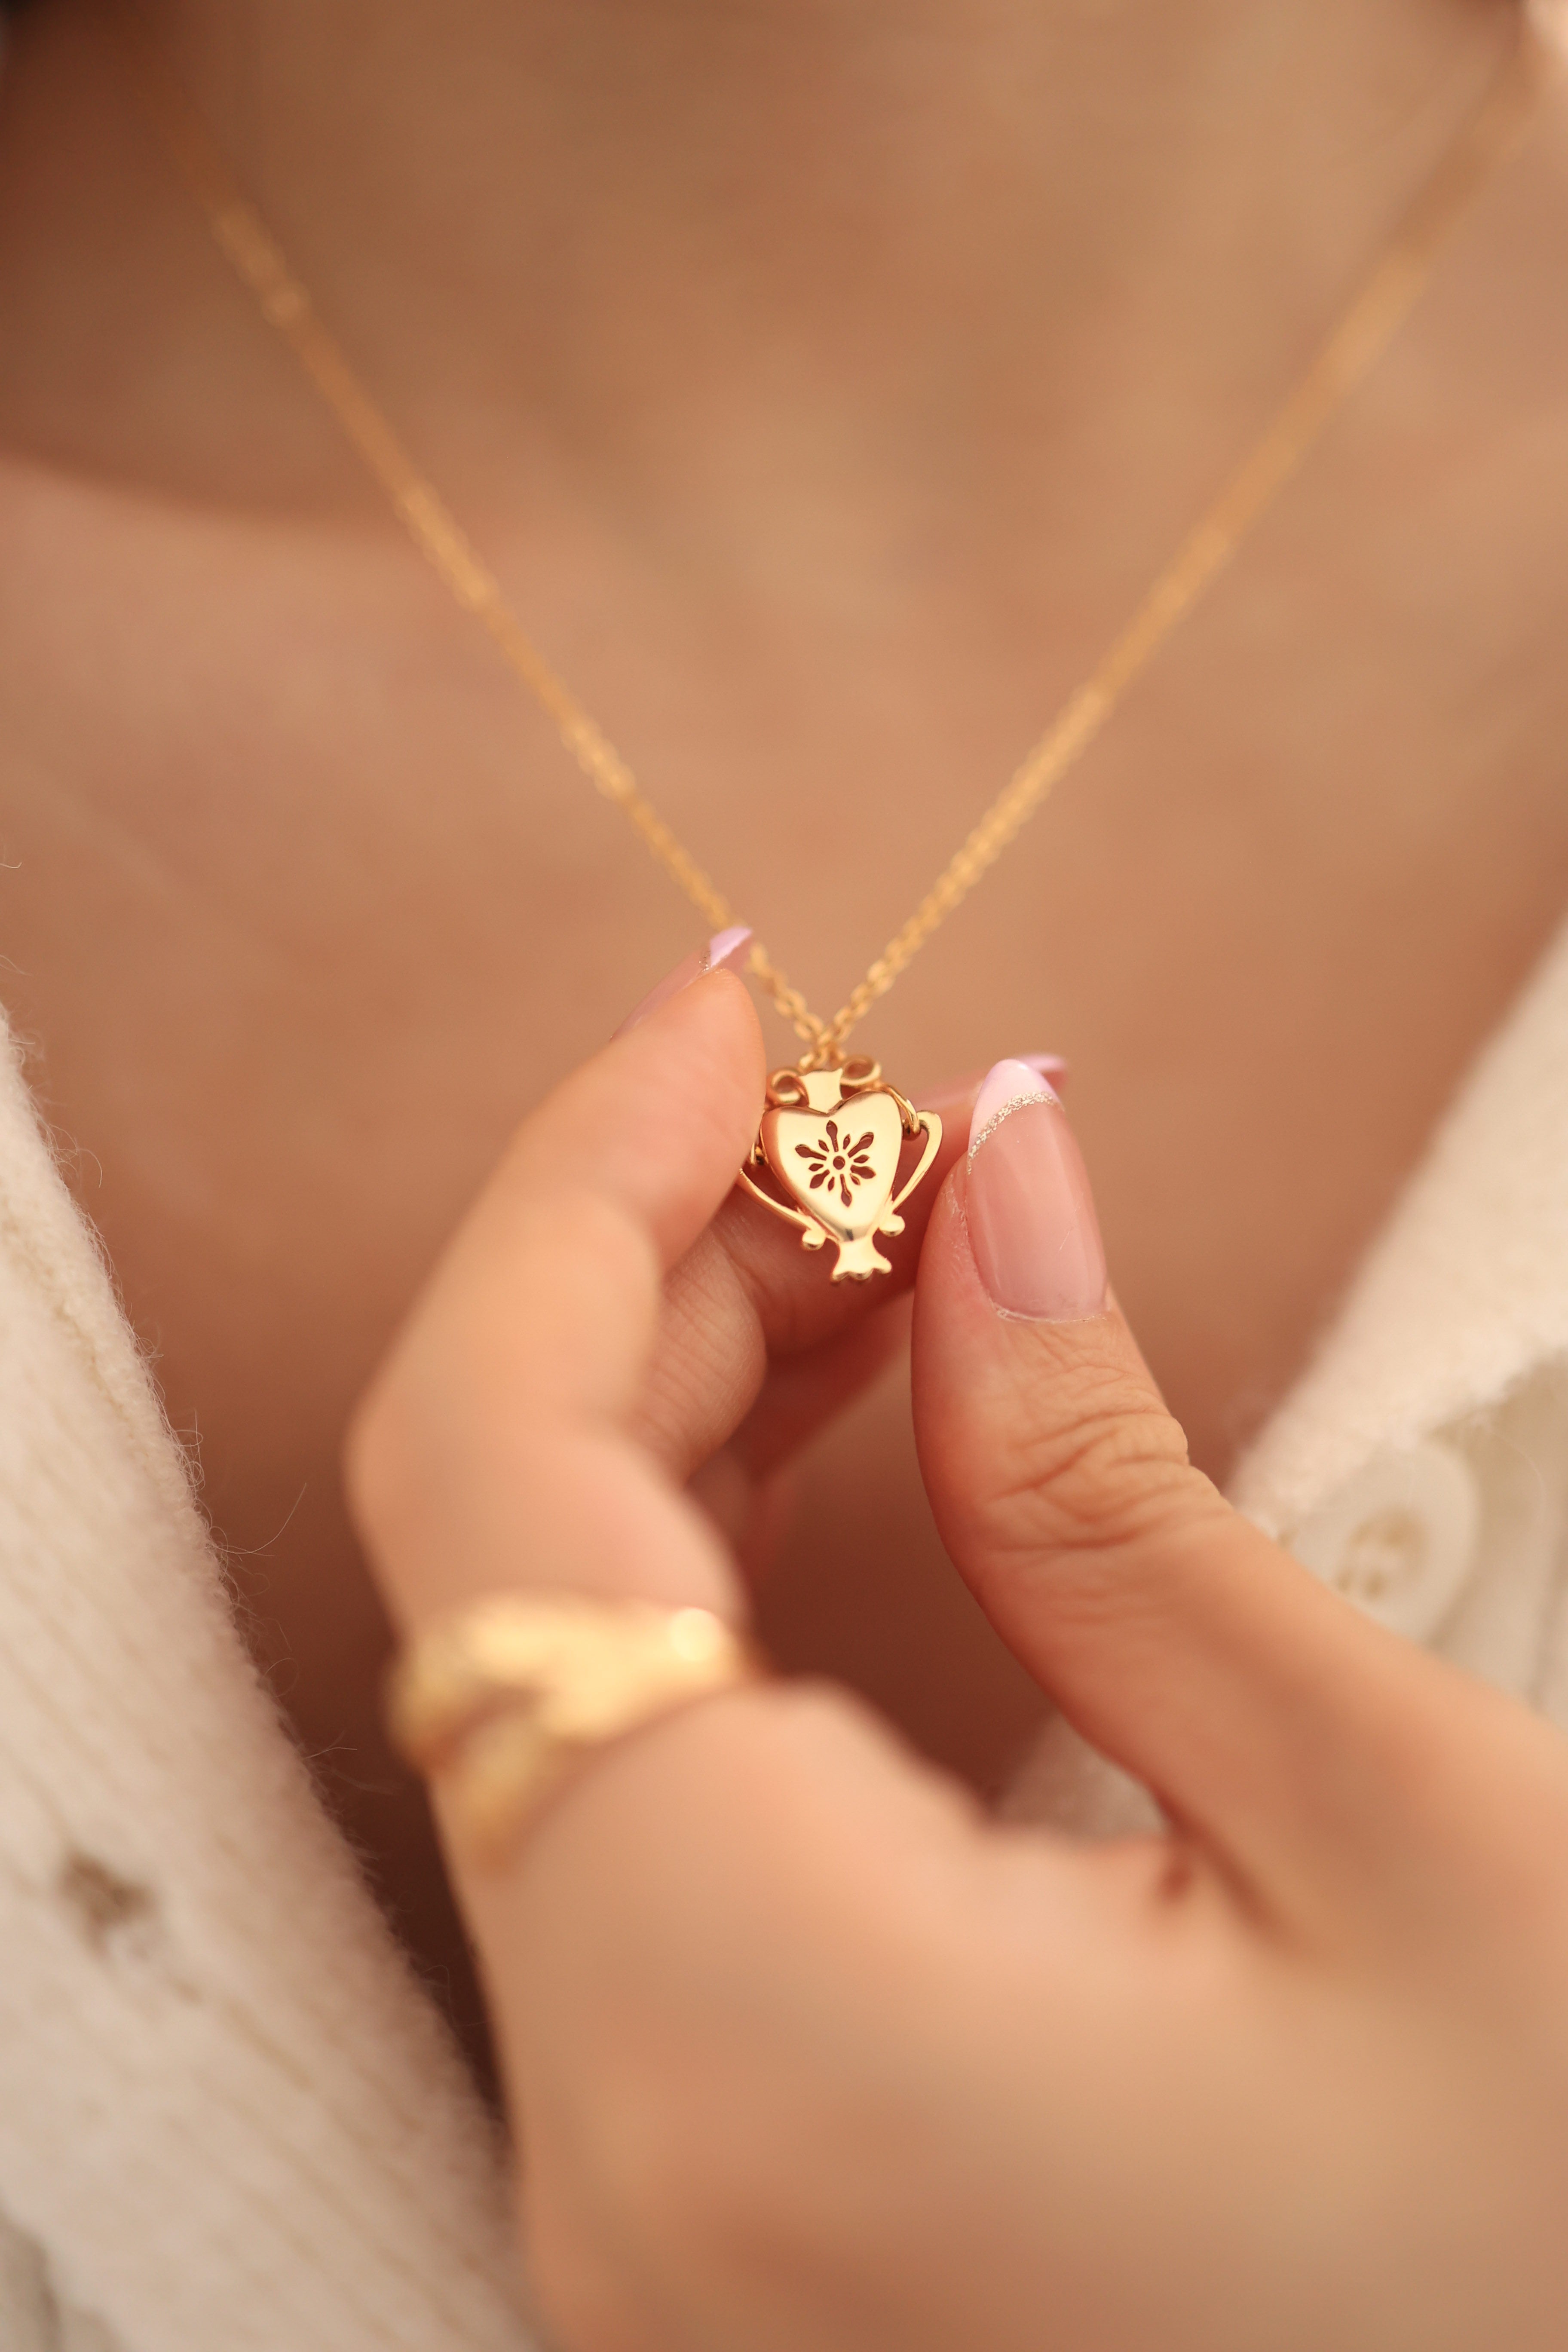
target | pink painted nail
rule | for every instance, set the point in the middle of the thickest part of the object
(1032, 1225)
(725, 951)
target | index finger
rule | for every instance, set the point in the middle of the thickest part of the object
(495, 1448)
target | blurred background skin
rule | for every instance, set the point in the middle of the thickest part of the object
(825, 382)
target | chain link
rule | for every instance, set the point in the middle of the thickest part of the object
(1356, 344)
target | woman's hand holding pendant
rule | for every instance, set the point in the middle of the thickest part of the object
(802, 2049)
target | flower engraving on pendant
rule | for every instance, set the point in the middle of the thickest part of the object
(832, 1140)
(837, 1162)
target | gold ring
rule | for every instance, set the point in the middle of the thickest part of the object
(501, 1698)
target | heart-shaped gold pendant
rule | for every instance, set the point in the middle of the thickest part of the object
(832, 1140)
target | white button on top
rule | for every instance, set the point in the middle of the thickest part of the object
(1400, 1539)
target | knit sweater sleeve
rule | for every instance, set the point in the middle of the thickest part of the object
(229, 2119)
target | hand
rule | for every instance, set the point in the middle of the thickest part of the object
(803, 2051)
(625, 1180)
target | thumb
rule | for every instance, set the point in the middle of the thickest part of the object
(1171, 1633)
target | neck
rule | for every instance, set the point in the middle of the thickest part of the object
(781, 172)
(899, 233)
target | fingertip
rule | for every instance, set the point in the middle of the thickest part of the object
(705, 1044)
(696, 1038)
(660, 1119)
(728, 951)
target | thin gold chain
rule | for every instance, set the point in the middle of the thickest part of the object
(1354, 348)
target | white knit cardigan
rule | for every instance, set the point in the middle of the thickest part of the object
(230, 2121)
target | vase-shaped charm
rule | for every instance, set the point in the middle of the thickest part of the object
(832, 1140)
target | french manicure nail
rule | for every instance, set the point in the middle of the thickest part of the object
(1049, 1066)
(1032, 1225)
(725, 951)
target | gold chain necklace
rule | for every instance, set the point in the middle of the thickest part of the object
(825, 1082)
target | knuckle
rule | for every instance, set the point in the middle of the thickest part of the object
(1093, 1472)
(675, 2154)
(1085, 1483)
(374, 1447)
(702, 2168)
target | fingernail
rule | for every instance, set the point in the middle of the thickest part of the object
(725, 951)
(1049, 1066)
(1032, 1225)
